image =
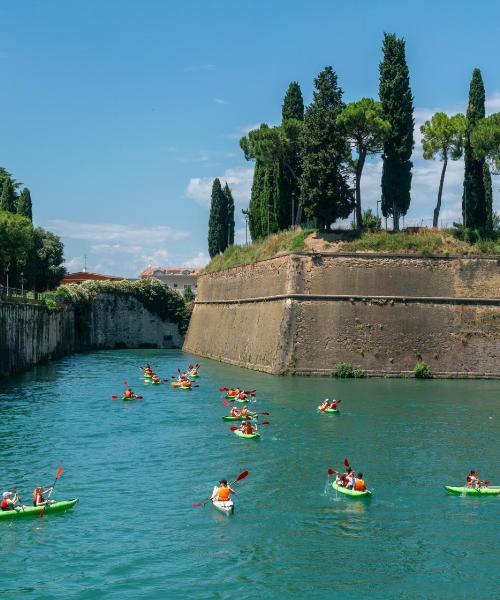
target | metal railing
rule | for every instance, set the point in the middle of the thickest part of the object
(27, 296)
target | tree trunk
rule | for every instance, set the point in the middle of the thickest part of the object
(440, 193)
(359, 169)
(395, 218)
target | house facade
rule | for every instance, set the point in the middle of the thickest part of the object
(176, 278)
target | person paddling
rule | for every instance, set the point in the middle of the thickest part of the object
(236, 413)
(223, 492)
(473, 480)
(247, 428)
(156, 379)
(38, 498)
(9, 503)
(129, 393)
(359, 484)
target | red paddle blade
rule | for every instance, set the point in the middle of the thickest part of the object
(486, 482)
(125, 383)
(138, 397)
(226, 403)
(265, 423)
(234, 428)
(346, 462)
(115, 397)
(223, 389)
(241, 476)
(265, 413)
(196, 505)
(331, 472)
(59, 472)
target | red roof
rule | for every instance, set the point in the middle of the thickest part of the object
(80, 276)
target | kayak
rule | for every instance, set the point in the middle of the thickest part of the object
(179, 386)
(148, 376)
(33, 511)
(329, 410)
(192, 376)
(352, 493)
(230, 418)
(155, 382)
(247, 436)
(128, 399)
(230, 397)
(226, 507)
(484, 491)
(240, 399)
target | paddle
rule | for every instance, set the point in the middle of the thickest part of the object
(115, 397)
(346, 462)
(332, 472)
(241, 476)
(125, 383)
(58, 474)
(223, 389)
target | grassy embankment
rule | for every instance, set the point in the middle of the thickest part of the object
(425, 242)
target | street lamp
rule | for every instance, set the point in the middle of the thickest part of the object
(246, 213)
(22, 284)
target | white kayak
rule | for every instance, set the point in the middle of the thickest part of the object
(226, 507)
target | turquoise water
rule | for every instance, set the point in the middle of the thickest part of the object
(137, 467)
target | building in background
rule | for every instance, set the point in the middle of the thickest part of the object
(81, 276)
(175, 278)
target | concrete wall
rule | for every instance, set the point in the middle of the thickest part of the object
(30, 334)
(380, 312)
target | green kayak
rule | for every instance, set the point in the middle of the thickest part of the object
(484, 491)
(33, 511)
(352, 493)
(329, 410)
(247, 436)
(230, 418)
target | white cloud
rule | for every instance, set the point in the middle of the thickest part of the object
(220, 101)
(493, 103)
(239, 180)
(96, 232)
(200, 260)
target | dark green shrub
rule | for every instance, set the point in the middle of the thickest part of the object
(422, 371)
(344, 370)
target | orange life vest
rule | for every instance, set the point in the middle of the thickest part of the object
(244, 411)
(359, 485)
(128, 394)
(223, 494)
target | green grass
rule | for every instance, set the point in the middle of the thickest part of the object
(283, 241)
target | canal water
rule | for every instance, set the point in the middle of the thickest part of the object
(137, 467)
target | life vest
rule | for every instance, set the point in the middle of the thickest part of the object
(38, 498)
(128, 394)
(223, 494)
(359, 485)
(244, 411)
(5, 505)
(156, 379)
(186, 383)
(235, 412)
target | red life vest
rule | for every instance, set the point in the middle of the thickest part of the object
(4, 504)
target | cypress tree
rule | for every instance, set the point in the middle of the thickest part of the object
(270, 202)
(24, 206)
(217, 223)
(293, 108)
(254, 208)
(8, 197)
(293, 103)
(397, 108)
(488, 197)
(474, 200)
(230, 215)
(325, 193)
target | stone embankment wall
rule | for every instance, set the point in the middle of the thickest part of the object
(303, 313)
(30, 333)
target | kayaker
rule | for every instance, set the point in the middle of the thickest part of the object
(156, 379)
(235, 412)
(333, 404)
(473, 480)
(38, 492)
(224, 491)
(343, 479)
(244, 411)
(359, 484)
(8, 503)
(350, 480)
(247, 428)
(129, 393)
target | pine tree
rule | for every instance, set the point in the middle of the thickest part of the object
(397, 109)
(230, 215)
(24, 206)
(293, 103)
(473, 200)
(8, 197)
(217, 223)
(325, 193)
(488, 196)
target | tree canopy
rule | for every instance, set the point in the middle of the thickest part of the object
(485, 141)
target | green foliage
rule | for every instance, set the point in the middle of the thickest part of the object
(293, 103)
(485, 141)
(397, 108)
(217, 224)
(366, 130)
(230, 215)
(24, 205)
(344, 370)
(188, 295)
(16, 241)
(443, 135)
(256, 226)
(325, 192)
(422, 371)
(44, 269)
(8, 198)
(154, 295)
(370, 221)
(488, 197)
(473, 200)
(283, 241)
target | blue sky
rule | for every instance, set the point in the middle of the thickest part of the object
(117, 114)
